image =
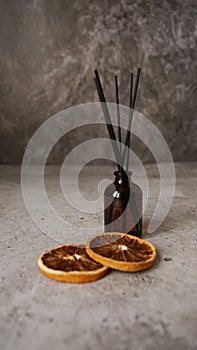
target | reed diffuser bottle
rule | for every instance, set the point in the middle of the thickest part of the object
(123, 198)
(123, 205)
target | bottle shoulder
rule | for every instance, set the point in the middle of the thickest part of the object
(110, 188)
(135, 187)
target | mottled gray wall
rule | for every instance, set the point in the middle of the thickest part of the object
(49, 49)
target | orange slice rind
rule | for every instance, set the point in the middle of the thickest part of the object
(121, 251)
(71, 263)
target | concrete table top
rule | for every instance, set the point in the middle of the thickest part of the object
(155, 309)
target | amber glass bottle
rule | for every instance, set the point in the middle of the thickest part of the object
(123, 205)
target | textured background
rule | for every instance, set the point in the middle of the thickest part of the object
(49, 49)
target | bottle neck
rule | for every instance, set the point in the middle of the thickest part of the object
(122, 183)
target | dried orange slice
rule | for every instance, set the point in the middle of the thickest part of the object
(71, 263)
(121, 251)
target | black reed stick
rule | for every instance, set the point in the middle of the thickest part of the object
(107, 117)
(131, 115)
(130, 111)
(127, 159)
(111, 135)
(132, 99)
(118, 114)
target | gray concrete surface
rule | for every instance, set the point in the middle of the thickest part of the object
(155, 309)
(49, 50)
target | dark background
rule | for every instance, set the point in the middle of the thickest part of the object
(49, 49)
